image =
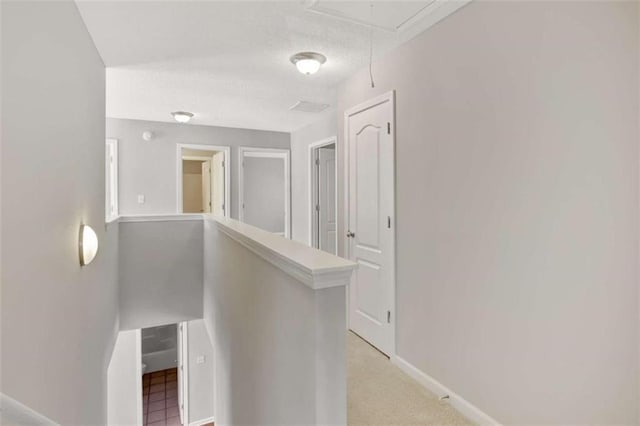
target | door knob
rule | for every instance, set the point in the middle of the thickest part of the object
(350, 234)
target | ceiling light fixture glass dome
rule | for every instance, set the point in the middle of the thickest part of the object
(182, 116)
(308, 62)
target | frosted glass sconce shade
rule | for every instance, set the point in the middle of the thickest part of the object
(88, 244)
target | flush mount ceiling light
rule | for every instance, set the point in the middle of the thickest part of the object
(88, 244)
(182, 116)
(308, 62)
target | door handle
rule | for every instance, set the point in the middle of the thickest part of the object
(350, 234)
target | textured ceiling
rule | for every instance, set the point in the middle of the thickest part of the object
(228, 61)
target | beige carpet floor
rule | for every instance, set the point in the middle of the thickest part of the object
(379, 393)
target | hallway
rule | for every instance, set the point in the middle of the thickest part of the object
(378, 392)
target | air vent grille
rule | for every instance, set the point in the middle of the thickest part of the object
(305, 106)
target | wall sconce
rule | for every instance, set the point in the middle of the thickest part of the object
(147, 135)
(88, 244)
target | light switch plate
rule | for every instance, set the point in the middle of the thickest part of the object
(141, 199)
(200, 359)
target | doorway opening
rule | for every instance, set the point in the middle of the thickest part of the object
(203, 179)
(265, 189)
(162, 377)
(323, 193)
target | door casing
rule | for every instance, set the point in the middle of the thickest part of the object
(227, 174)
(183, 372)
(283, 154)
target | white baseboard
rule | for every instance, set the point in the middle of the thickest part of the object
(467, 409)
(201, 422)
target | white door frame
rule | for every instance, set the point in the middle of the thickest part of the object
(111, 172)
(139, 413)
(246, 151)
(183, 329)
(313, 187)
(386, 97)
(227, 174)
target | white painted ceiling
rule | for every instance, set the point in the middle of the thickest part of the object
(228, 61)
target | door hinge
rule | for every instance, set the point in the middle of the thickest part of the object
(317, 207)
(223, 207)
(388, 128)
(388, 316)
(223, 161)
(317, 162)
(389, 222)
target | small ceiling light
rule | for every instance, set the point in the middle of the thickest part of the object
(308, 62)
(147, 135)
(88, 244)
(182, 116)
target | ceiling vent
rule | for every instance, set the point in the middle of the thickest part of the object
(305, 106)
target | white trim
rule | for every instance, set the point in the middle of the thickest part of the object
(333, 140)
(389, 96)
(161, 218)
(139, 403)
(428, 17)
(202, 422)
(425, 18)
(466, 408)
(114, 177)
(184, 329)
(246, 151)
(314, 268)
(196, 158)
(14, 412)
(114, 219)
(227, 173)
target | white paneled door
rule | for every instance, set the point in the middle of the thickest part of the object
(327, 199)
(206, 186)
(369, 134)
(218, 184)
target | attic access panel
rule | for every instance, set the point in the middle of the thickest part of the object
(393, 16)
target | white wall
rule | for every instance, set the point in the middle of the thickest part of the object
(59, 320)
(125, 381)
(281, 361)
(160, 273)
(517, 207)
(324, 128)
(149, 168)
(201, 376)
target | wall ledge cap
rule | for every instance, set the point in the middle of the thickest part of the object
(314, 268)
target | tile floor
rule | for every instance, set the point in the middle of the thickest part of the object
(160, 398)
